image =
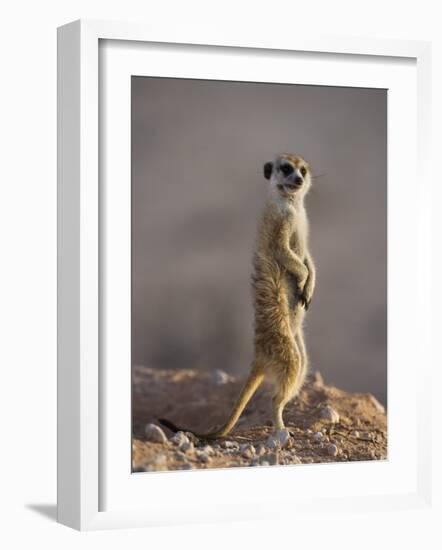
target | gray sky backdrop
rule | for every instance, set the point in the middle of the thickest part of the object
(198, 148)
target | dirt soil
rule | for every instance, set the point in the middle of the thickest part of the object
(324, 423)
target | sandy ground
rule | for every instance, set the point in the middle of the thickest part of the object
(324, 423)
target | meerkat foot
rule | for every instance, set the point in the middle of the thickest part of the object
(278, 428)
(278, 407)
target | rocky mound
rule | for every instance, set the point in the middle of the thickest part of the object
(324, 423)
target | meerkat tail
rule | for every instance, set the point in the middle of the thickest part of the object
(253, 382)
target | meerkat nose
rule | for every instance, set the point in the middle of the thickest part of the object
(298, 180)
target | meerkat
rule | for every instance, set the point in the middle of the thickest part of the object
(283, 283)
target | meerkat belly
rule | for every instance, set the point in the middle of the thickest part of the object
(270, 291)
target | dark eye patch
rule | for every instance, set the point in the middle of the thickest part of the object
(303, 171)
(286, 169)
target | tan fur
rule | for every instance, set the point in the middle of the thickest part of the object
(283, 282)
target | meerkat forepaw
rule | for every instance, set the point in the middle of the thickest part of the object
(300, 291)
(305, 296)
(305, 300)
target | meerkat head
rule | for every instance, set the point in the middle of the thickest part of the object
(289, 176)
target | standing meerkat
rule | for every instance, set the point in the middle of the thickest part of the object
(283, 283)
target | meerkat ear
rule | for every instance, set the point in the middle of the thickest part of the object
(268, 167)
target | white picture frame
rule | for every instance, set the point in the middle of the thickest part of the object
(93, 437)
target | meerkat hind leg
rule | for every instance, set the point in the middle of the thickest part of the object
(287, 382)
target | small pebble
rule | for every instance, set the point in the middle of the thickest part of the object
(219, 377)
(279, 439)
(230, 445)
(183, 443)
(179, 439)
(247, 450)
(154, 433)
(260, 450)
(332, 450)
(318, 437)
(330, 414)
(187, 447)
(208, 449)
(254, 461)
(186, 466)
(380, 408)
(158, 463)
(193, 438)
(317, 379)
(181, 457)
(264, 463)
(203, 457)
(273, 459)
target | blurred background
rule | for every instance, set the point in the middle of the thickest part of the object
(198, 148)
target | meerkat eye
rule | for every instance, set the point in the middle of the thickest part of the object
(303, 171)
(286, 169)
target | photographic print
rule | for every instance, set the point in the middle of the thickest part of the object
(259, 274)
